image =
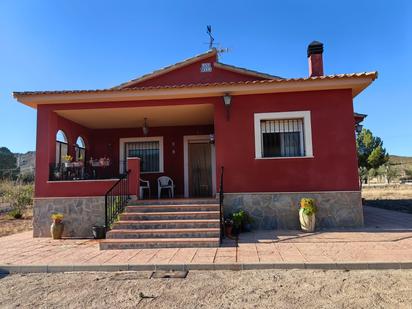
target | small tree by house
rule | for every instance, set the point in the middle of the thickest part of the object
(371, 154)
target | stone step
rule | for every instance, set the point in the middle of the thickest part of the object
(169, 215)
(163, 233)
(166, 224)
(178, 201)
(112, 244)
(170, 208)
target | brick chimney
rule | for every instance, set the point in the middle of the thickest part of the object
(315, 51)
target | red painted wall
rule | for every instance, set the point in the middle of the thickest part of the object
(190, 74)
(106, 142)
(48, 123)
(334, 166)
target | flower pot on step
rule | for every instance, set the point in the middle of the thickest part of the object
(307, 222)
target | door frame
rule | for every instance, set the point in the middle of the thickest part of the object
(198, 139)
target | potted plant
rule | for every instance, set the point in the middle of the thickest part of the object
(99, 231)
(238, 218)
(307, 214)
(228, 227)
(247, 222)
(68, 159)
(57, 227)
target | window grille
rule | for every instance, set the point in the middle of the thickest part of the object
(148, 152)
(282, 138)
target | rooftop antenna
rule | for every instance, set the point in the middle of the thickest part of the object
(209, 32)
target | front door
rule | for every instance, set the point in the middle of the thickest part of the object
(200, 169)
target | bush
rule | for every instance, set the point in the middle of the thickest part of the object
(16, 213)
(18, 196)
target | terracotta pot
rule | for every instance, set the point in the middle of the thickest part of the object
(307, 223)
(56, 229)
(228, 230)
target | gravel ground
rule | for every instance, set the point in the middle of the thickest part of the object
(214, 289)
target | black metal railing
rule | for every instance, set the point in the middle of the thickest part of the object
(82, 171)
(221, 198)
(116, 199)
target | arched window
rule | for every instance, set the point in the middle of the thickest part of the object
(61, 147)
(80, 149)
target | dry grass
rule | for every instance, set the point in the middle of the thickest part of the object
(10, 225)
(392, 192)
(393, 197)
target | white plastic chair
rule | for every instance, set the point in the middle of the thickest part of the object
(165, 182)
(144, 185)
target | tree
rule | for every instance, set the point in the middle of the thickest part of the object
(390, 172)
(371, 154)
(7, 163)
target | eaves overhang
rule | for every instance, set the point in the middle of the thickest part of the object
(357, 82)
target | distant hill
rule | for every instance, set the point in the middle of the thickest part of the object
(401, 164)
(26, 161)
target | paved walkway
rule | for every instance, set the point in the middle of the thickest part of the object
(264, 249)
(378, 218)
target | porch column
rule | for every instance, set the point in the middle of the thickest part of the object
(133, 165)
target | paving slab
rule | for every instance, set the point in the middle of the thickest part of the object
(385, 242)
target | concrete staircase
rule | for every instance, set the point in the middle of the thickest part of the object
(166, 224)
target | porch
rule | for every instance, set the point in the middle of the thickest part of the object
(88, 150)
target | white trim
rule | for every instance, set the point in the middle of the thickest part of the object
(159, 139)
(194, 139)
(258, 117)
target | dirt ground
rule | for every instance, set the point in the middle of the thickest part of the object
(10, 226)
(213, 289)
(394, 197)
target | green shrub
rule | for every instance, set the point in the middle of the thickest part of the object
(16, 213)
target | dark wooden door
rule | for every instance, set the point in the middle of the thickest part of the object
(200, 170)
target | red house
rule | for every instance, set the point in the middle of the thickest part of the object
(276, 139)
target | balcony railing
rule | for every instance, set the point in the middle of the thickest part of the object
(82, 171)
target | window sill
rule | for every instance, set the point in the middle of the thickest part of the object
(145, 173)
(280, 158)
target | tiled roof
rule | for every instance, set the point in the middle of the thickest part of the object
(372, 75)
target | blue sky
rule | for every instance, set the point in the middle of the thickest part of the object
(77, 44)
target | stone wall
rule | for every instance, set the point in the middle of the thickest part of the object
(80, 214)
(280, 210)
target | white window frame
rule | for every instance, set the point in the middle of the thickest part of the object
(123, 141)
(307, 127)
